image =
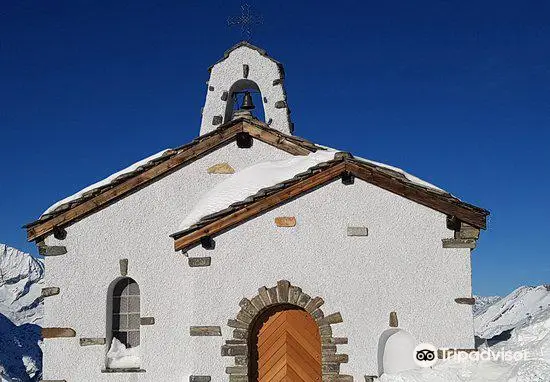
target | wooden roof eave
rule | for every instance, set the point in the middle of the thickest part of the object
(441, 202)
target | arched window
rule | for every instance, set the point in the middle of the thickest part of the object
(126, 312)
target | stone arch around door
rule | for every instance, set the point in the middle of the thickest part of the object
(283, 294)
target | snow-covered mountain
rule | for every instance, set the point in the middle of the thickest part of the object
(483, 302)
(20, 286)
(20, 315)
(519, 308)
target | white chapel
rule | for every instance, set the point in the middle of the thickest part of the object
(253, 254)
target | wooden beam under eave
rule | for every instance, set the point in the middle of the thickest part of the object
(426, 198)
(255, 209)
(274, 140)
(110, 195)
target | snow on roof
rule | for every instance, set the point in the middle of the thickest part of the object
(249, 181)
(411, 178)
(103, 182)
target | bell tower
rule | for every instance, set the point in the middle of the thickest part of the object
(242, 69)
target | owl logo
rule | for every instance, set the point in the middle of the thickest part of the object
(425, 355)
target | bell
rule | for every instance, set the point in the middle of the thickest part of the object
(247, 102)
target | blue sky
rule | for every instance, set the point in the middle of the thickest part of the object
(455, 92)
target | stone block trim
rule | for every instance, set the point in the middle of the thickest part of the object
(123, 370)
(285, 221)
(56, 250)
(58, 333)
(195, 262)
(337, 378)
(147, 321)
(280, 104)
(221, 168)
(465, 236)
(459, 243)
(207, 331)
(92, 341)
(465, 300)
(200, 378)
(123, 264)
(284, 293)
(358, 231)
(50, 291)
(394, 322)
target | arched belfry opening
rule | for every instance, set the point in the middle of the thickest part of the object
(235, 99)
(284, 344)
(246, 67)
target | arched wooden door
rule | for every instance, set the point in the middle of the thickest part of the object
(285, 346)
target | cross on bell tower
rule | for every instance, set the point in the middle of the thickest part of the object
(246, 20)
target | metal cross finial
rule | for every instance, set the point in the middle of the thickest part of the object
(246, 20)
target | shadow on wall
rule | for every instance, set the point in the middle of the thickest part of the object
(19, 350)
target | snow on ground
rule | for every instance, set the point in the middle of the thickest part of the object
(531, 341)
(518, 308)
(104, 182)
(249, 181)
(120, 357)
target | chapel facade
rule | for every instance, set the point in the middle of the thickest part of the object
(251, 254)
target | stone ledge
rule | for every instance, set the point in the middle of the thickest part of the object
(46, 250)
(123, 370)
(357, 231)
(465, 300)
(221, 168)
(197, 262)
(92, 341)
(50, 291)
(337, 378)
(205, 331)
(58, 333)
(459, 243)
(285, 221)
(144, 321)
(200, 378)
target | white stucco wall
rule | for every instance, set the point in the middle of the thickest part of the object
(401, 266)
(263, 71)
(137, 228)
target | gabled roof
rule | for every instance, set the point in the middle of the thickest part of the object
(318, 176)
(171, 160)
